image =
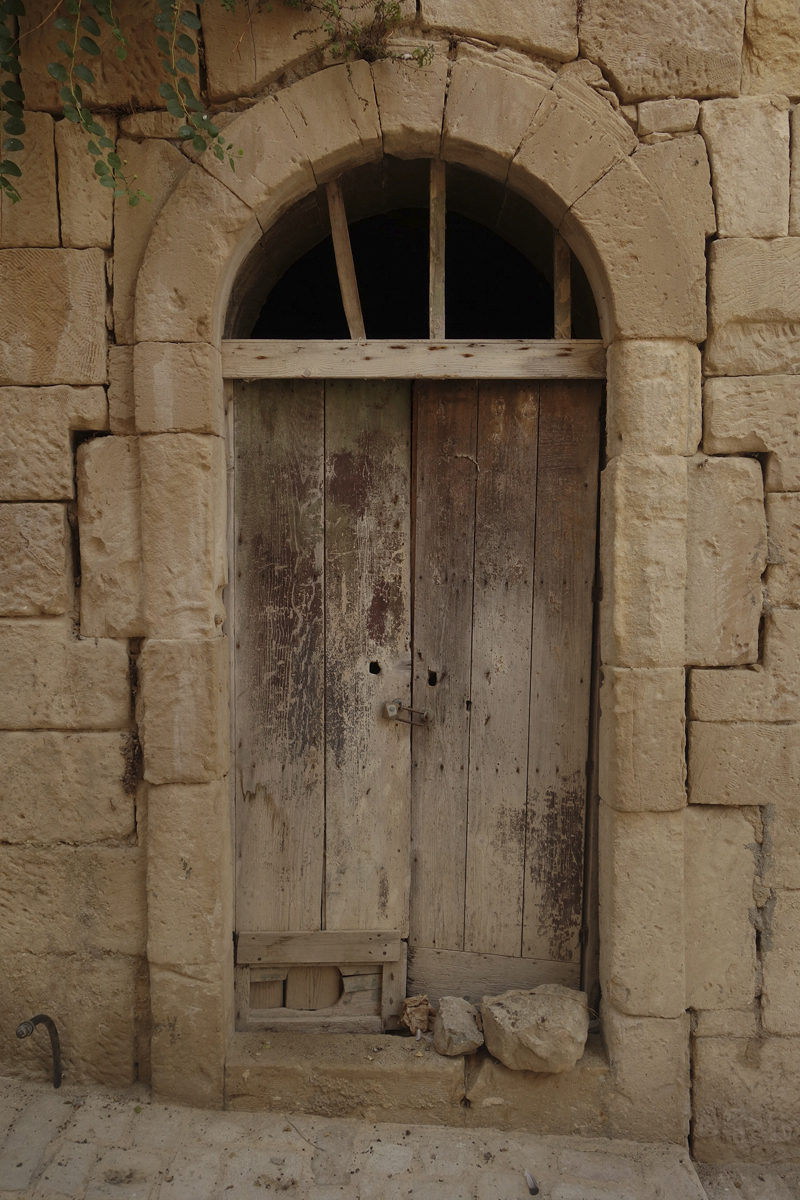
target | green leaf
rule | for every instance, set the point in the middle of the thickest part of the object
(13, 109)
(14, 126)
(162, 22)
(84, 73)
(88, 45)
(65, 49)
(93, 126)
(199, 143)
(121, 53)
(106, 143)
(211, 130)
(168, 67)
(64, 24)
(115, 161)
(184, 65)
(93, 148)
(73, 7)
(133, 201)
(162, 44)
(90, 25)
(15, 8)
(190, 20)
(174, 108)
(65, 94)
(12, 144)
(166, 90)
(185, 131)
(7, 167)
(101, 169)
(58, 71)
(78, 93)
(185, 88)
(13, 91)
(107, 180)
(186, 44)
(12, 65)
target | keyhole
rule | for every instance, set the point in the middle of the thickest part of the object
(432, 678)
(374, 668)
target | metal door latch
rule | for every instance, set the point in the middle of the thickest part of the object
(395, 710)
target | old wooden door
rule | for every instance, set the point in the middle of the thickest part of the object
(457, 578)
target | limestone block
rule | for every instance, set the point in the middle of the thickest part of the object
(183, 534)
(52, 680)
(109, 520)
(642, 739)
(201, 239)
(192, 1022)
(184, 722)
(654, 398)
(87, 208)
(744, 764)
(70, 345)
(746, 1099)
(189, 873)
(780, 944)
(726, 554)
(121, 398)
(720, 939)
(641, 912)
(667, 116)
(247, 49)
(411, 102)
(665, 47)
(90, 998)
(66, 787)
(543, 1029)
(783, 571)
(771, 62)
(574, 139)
(335, 115)
(33, 221)
(158, 167)
(455, 1027)
(649, 1059)
(756, 416)
(549, 29)
(754, 307)
(794, 197)
(178, 388)
(35, 453)
(723, 1022)
(781, 861)
(35, 554)
(748, 143)
(643, 507)
(150, 125)
(767, 692)
(72, 899)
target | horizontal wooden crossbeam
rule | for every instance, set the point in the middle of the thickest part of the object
(326, 946)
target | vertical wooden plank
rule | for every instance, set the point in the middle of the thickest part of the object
(569, 444)
(505, 522)
(312, 987)
(344, 260)
(562, 290)
(445, 444)
(438, 202)
(279, 698)
(368, 646)
(393, 989)
(266, 994)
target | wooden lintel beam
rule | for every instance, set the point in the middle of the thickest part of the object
(562, 291)
(348, 283)
(438, 202)
(326, 946)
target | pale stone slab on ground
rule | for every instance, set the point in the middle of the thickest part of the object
(455, 1027)
(65, 787)
(771, 59)
(783, 572)
(411, 101)
(667, 116)
(748, 144)
(35, 566)
(642, 738)
(178, 388)
(769, 691)
(780, 942)
(86, 207)
(121, 399)
(36, 461)
(743, 763)
(750, 1181)
(33, 221)
(756, 416)
(549, 29)
(192, 1023)
(754, 307)
(649, 1059)
(543, 1029)
(655, 398)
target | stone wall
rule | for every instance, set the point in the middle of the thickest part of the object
(112, 524)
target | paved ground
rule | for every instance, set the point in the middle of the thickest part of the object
(92, 1144)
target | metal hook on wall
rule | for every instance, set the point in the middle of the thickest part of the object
(26, 1029)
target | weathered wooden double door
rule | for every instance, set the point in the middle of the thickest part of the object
(432, 543)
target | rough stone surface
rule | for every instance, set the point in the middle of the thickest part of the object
(667, 116)
(455, 1027)
(768, 692)
(35, 454)
(121, 399)
(756, 416)
(183, 534)
(192, 1023)
(335, 115)
(411, 102)
(178, 388)
(783, 572)
(770, 62)
(641, 912)
(549, 29)
(184, 722)
(642, 739)
(655, 398)
(649, 1059)
(748, 143)
(781, 958)
(52, 680)
(657, 49)
(794, 198)
(86, 207)
(34, 220)
(781, 861)
(544, 1029)
(754, 307)
(743, 763)
(643, 560)
(65, 787)
(70, 346)
(35, 560)
(109, 519)
(726, 553)
(246, 50)
(720, 938)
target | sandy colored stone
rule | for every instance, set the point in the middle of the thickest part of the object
(771, 58)
(783, 572)
(455, 1027)
(549, 29)
(70, 346)
(248, 49)
(65, 787)
(720, 937)
(781, 862)
(726, 554)
(36, 460)
(109, 520)
(756, 416)
(121, 398)
(665, 47)
(794, 196)
(780, 942)
(754, 307)
(746, 1100)
(183, 710)
(183, 534)
(722, 1022)
(33, 220)
(411, 101)
(641, 912)
(748, 143)
(642, 739)
(767, 692)
(50, 679)
(150, 125)
(649, 1059)
(157, 166)
(654, 398)
(35, 554)
(87, 208)
(667, 116)
(334, 115)
(643, 506)
(189, 873)
(743, 763)
(178, 388)
(192, 1023)
(543, 1029)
